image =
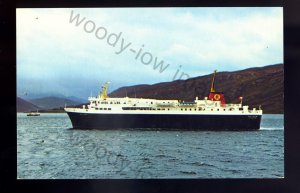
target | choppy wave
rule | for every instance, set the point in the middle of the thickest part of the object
(47, 148)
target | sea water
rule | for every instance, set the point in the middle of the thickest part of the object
(47, 148)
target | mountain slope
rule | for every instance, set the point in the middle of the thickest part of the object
(53, 102)
(25, 106)
(258, 86)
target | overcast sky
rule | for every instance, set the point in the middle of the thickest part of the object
(73, 51)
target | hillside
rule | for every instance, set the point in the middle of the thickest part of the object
(53, 102)
(25, 106)
(258, 86)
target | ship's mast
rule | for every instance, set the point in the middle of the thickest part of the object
(103, 93)
(212, 88)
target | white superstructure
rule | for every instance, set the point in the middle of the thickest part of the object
(103, 104)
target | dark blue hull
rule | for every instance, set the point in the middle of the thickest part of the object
(180, 122)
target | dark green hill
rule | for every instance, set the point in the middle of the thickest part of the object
(258, 86)
(25, 106)
(53, 102)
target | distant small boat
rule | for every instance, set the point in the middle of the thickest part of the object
(34, 113)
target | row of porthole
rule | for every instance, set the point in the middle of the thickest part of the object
(114, 102)
(103, 109)
(200, 109)
(181, 109)
(107, 103)
(162, 109)
(137, 108)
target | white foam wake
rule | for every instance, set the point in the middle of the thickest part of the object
(271, 128)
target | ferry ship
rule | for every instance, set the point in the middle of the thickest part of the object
(210, 113)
